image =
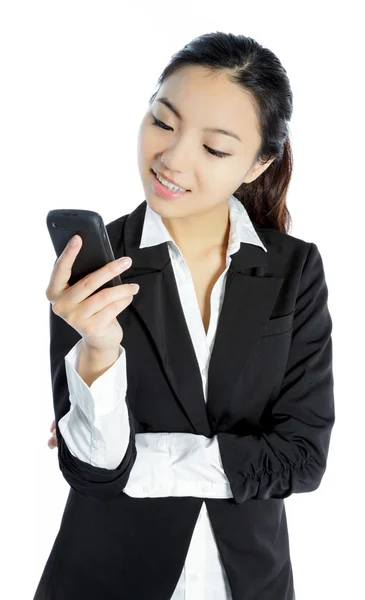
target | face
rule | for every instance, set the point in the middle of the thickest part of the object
(179, 148)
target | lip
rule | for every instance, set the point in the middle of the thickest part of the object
(161, 191)
(170, 180)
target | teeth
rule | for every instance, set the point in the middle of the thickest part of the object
(171, 186)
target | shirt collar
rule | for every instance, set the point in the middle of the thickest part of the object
(154, 231)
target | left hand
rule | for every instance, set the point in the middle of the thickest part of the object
(52, 442)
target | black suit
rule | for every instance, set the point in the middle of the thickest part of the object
(270, 402)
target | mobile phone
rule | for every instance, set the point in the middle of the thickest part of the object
(96, 250)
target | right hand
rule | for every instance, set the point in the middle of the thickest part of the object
(93, 317)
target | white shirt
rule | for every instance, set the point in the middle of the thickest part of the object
(96, 429)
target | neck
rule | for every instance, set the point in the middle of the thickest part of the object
(201, 235)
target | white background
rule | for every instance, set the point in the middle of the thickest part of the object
(75, 82)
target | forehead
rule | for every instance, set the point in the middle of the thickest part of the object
(209, 99)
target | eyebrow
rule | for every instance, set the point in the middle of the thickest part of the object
(169, 105)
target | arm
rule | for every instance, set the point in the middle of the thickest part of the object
(97, 482)
(291, 457)
(98, 413)
(177, 464)
(96, 430)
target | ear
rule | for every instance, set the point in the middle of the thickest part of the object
(256, 170)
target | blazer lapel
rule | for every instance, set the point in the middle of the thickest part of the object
(249, 299)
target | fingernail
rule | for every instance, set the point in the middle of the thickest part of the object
(74, 240)
(125, 262)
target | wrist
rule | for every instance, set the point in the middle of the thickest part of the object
(93, 362)
(95, 354)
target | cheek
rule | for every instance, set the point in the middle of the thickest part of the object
(217, 174)
(227, 176)
(141, 139)
(148, 146)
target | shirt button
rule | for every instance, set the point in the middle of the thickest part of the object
(96, 443)
(205, 371)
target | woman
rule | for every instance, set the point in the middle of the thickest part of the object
(178, 480)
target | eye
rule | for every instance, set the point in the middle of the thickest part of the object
(210, 150)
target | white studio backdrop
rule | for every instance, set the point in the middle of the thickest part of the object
(75, 82)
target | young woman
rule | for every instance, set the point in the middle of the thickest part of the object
(181, 445)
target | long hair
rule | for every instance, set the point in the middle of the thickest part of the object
(257, 70)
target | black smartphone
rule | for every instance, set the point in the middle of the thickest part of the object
(96, 250)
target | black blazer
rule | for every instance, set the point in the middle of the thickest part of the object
(270, 402)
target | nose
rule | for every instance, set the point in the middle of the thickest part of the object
(178, 159)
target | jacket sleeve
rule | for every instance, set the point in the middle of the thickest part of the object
(291, 457)
(96, 482)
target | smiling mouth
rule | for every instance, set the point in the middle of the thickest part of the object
(153, 173)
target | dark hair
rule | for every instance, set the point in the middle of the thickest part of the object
(257, 70)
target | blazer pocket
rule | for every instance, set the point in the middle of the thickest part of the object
(279, 325)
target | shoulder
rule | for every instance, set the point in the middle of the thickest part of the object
(115, 228)
(280, 238)
(117, 223)
(280, 243)
(288, 253)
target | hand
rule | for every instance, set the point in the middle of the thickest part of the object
(52, 442)
(92, 316)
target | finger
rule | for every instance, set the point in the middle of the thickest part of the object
(86, 286)
(123, 294)
(103, 319)
(52, 443)
(62, 268)
(53, 426)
